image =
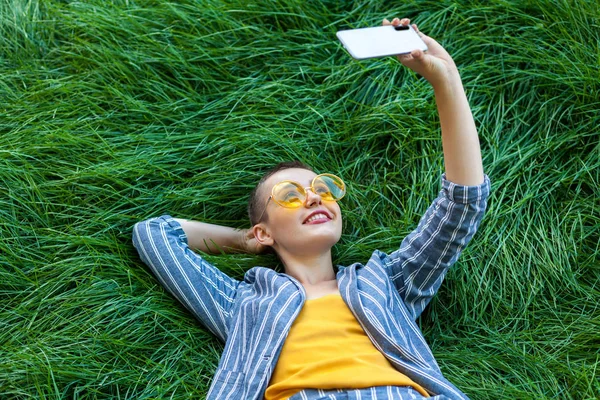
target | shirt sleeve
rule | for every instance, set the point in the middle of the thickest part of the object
(204, 290)
(419, 266)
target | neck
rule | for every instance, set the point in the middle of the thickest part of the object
(309, 269)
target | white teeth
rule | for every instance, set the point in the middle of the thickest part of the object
(316, 217)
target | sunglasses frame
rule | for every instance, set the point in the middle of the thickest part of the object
(311, 188)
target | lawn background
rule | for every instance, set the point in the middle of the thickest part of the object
(112, 112)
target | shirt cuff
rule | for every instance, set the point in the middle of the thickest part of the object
(175, 226)
(466, 194)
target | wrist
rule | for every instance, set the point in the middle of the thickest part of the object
(449, 81)
(242, 242)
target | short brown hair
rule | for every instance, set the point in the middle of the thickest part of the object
(256, 204)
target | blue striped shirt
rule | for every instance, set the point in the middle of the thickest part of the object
(386, 295)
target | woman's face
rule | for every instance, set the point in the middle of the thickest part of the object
(312, 228)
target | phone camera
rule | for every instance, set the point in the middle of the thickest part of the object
(401, 27)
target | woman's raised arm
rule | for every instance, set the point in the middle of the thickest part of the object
(462, 153)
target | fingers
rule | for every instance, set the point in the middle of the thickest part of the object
(403, 21)
(404, 59)
(417, 30)
(396, 21)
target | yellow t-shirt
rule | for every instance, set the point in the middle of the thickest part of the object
(327, 348)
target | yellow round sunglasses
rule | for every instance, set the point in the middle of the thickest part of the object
(290, 194)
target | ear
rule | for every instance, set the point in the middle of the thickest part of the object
(262, 234)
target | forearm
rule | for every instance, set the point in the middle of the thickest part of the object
(462, 153)
(212, 239)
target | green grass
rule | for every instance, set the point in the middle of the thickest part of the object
(116, 111)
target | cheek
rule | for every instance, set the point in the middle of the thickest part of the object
(284, 218)
(339, 211)
(335, 207)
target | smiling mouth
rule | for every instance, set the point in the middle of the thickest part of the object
(320, 217)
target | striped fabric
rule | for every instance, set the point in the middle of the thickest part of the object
(373, 393)
(386, 295)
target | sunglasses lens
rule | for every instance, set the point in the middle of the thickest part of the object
(329, 187)
(291, 195)
(288, 194)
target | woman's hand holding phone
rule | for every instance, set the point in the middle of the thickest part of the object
(436, 65)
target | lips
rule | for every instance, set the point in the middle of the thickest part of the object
(318, 216)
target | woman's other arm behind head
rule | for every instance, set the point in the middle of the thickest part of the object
(217, 239)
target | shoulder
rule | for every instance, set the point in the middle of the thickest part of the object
(376, 261)
(260, 275)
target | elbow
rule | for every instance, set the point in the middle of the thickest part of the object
(144, 231)
(135, 233)
(140, 232)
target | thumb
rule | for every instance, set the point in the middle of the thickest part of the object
(418, 61)
(418, 55)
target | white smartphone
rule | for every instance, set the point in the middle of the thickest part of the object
(380, 41)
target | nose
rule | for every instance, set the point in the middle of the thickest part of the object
(312, 198)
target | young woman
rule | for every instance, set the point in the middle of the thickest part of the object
(312, 332)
